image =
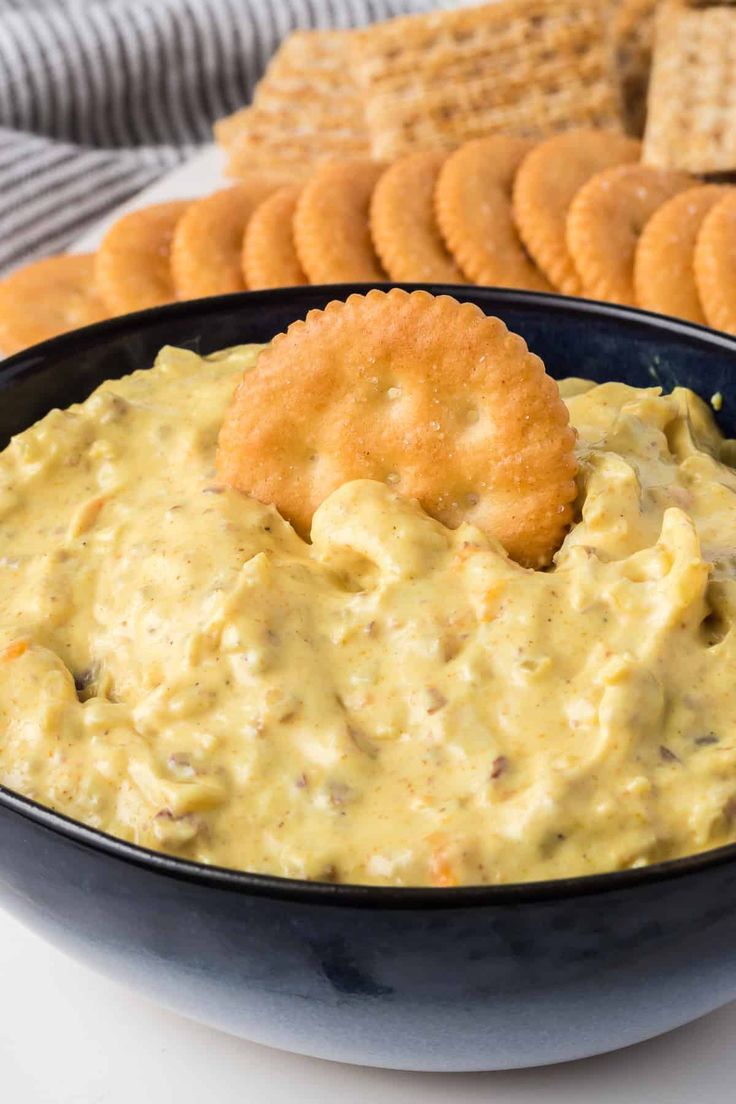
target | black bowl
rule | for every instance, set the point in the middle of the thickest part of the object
(440, 979)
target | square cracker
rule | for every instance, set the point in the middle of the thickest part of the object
(633, 36)
(527, 67)
(306, 108)
(691, 107)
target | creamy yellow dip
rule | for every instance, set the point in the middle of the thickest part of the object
(394, 702)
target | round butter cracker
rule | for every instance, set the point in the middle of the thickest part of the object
(664, 275)
(269, 257)
(132, 265)
(546, 184)
(46, 298)
(605, 220)
(424, 393)
(403, 222)
(475, 215)
(715, 264)
(331, 223)
(208, 241)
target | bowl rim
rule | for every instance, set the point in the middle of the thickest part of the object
(352, 895)
(348, 894)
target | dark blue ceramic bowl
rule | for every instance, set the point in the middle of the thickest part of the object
(441, 979)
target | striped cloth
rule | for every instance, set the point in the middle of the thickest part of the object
(100, 97)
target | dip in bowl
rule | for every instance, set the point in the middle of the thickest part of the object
(395, 973)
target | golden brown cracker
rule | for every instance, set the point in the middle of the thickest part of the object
(422, 392)
(208, 242)
(633, 35)
(664, 277)
(605, 220)
(475, 216)
(47, 298)
(691, 107)
(269, 254)
(547, 181)
(315, 67)
(404, 225)
(227, 129)
(715, 264)
(306, 109)
(527, 67)
(132, 265)
(331, 223)
(284, 142)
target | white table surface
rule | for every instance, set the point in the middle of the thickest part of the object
(70, 1037)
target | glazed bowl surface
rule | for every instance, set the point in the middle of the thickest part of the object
(473, 978)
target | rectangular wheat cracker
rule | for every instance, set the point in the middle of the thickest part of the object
(306, 108)
(529, 67)
(633, 36)
(691, 107)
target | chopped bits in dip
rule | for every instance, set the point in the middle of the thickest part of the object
(394, 702)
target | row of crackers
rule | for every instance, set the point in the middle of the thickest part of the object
(578, 213)
(665, 68)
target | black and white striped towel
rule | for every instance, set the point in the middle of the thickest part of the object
(99, 97)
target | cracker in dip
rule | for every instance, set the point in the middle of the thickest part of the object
(393, 703)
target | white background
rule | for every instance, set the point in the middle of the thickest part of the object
(69, 1037)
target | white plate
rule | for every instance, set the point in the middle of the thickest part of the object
(202, 174)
